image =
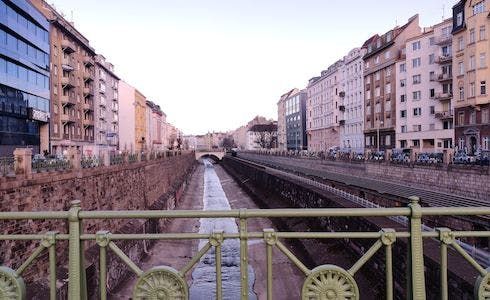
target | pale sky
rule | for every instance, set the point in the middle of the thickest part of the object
(212, 65)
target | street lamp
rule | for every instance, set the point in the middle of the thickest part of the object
(377, 142)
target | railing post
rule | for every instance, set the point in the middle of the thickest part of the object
(243, 254)
(415, 257)
(76, 273)
(23, 161)
(446, 238)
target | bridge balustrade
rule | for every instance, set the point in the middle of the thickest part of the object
(321, 282)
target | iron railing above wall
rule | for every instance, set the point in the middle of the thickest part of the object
(322, 282)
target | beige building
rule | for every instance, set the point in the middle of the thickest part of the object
(132, 109)
(470, 64)
(241, 136)
(72, 84)
(423, 96)
(155, 120)
(381, 83)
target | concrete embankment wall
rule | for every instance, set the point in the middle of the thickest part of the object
(275, 191)
(156, 184)
(467, 181)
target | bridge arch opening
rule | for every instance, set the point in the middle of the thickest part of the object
(212, 157)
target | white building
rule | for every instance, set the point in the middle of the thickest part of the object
(322, 109)
(425, 115)
(352, 101)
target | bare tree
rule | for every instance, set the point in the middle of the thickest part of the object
(228, 142)
(267, 137)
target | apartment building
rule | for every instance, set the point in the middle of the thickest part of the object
(72, 87)
(424, 91)
(323, 109)
(380, 80)
(24, 78)
(155, 127)
(132, 109)
(471, 101)
(106, 106)
(295, 115)
(351, 103)
(281, 122)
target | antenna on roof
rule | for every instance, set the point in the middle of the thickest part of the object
(443, 11)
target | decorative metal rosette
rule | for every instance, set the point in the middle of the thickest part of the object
(161, 283)
(329, 282)
(482, 287)
(12, 286)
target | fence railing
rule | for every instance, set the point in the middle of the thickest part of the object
(7, 166)
(48, 165)
(321, 282)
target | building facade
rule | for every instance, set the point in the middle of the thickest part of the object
(281, 122)
(323, 109)
(24, 78)
(154, 133)
(424, 90)
(127, 112)
(471, 52)
(72, 84)
(106, 106)
(262, 136)
(380, 80)
(351, 104)
(295, 119)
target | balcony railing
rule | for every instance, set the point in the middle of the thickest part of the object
(443, 59)
(321, 282)
(444, 115)
(444, 39)
(443, 96)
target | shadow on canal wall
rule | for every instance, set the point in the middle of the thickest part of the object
(276, 191)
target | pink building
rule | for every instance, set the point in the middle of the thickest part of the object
(127, 113)
(424, 92)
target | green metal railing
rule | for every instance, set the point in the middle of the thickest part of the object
(322, 282)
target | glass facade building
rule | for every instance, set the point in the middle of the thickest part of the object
(296, 121)
(24, 77)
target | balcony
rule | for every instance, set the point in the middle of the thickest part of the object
(342, 107)
(68, 46)
(444, 115)
(444, 77)
(115, 107)
(102, 103)
(68, 82)
(67, 119)
(342, 94)
(67, 64)
(444, 59)
(342, 122)
(88, 61)
(88, 76)
(67, 100)
(88, 106)
(443, 96)
(88, 91)
(88, 123)
(443, 40)
(115, 119)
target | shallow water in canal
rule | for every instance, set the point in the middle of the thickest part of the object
(204, 275)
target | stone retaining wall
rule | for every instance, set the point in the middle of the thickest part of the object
(155, 184)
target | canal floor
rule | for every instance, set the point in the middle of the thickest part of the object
(222, 192)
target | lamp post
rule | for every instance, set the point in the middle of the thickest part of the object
(377, 141)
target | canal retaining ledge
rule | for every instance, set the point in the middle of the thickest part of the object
(278, 190)
(140, 185)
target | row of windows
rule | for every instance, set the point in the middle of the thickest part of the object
(482, 35)
(31, 77)
(472, 88)
(485, 117)
(16, 45)
(34, 29)
(15, 101)
(18, 125)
